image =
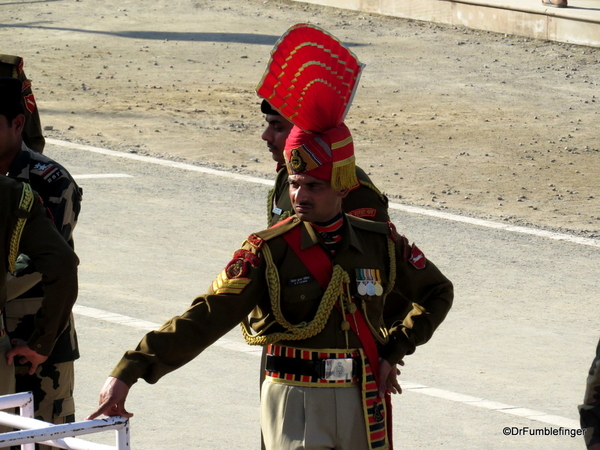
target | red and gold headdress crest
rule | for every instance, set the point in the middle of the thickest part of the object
(311, 79)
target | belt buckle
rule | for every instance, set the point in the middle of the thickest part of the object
(337, 369)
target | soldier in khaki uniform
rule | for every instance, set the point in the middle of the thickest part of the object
(273, 286)
(12, 66)
(589, 411)
(312, 289)
(26, 227)
(52, 384)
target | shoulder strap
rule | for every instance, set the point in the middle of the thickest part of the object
(25, 205)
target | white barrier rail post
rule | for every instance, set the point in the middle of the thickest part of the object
(60, 436)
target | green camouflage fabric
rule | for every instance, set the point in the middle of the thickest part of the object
(12, 66)
(37, 237)
(62, 197)
(54, 381)
(589, 411)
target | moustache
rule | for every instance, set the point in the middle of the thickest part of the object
(307, 204)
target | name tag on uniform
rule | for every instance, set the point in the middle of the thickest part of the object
(277, 210)
(297, 281)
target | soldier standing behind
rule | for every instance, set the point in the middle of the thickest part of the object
(364, 200)
(26, 227)
(589, 411)
(52, 384)
(12, 66)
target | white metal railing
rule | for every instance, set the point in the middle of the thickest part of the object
(60, 436)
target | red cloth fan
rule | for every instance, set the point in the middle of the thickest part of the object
(311, 78)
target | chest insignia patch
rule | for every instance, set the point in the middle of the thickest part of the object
(368, 282)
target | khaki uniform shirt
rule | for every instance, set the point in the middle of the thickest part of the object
(364, 201)
(52, 256)
(62, 197)
(242, 290)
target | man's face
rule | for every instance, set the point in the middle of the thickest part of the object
(314, 200)
(275, 134)
(10, 135)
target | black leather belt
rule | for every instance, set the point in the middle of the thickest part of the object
(306, 367)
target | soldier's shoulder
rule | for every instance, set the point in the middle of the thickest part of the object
(45, 168)
(10, 192)
(282, 176)
(365, 184)
(257, 240)
(11, 60)
(370, 225)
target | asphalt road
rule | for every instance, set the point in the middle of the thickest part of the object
(513, 352)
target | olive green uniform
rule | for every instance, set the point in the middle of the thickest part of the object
(53, 257)
(53, 383)
(589, 411)
(365, 201)
(12, 66)
(271, 289)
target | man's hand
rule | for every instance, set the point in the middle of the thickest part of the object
(26, 355)
(112, 399)
(388, 378)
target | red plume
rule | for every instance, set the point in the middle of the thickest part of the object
(311, 78)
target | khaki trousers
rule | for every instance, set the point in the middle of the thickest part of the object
(312, 418)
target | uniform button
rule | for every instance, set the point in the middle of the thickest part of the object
(303, 296)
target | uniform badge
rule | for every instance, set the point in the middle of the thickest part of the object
(237, 268)
(255, 241)
(368, 282)
(232, 280)
(378, 412)
(296, 162)
(240, 264)
(29, 103)
(417, 258)
(364, 212)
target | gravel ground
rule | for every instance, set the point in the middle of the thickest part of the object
(477, 123)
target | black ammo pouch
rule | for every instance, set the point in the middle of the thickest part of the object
(326, 369)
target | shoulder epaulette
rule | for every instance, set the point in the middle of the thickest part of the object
(276, 230)
(374, 189)
(369, 225)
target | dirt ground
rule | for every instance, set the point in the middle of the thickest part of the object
(477, 123)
